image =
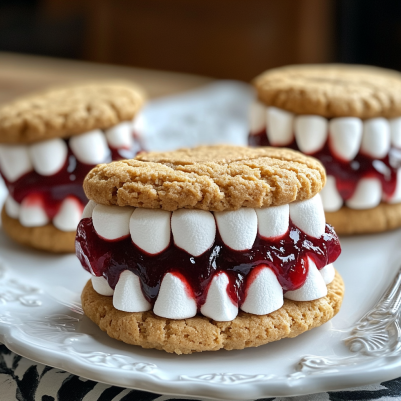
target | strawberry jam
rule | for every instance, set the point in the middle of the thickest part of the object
(287, 256)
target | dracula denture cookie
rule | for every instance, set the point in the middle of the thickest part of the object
(208, 248)
(48, 143)
(348, 117)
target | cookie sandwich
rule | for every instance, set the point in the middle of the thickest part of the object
(48, 143)
(348, 117)
(208, 248)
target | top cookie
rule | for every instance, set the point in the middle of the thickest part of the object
(332, 90)
(214, 178)
(72, 110)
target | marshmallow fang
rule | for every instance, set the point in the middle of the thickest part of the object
(264, 294)
(90, 148)
(273, 221)
(193, 230)
(328, 273)
(257, 117)
(120, 136)
(309, 216)
(331, 198)
(128, 295)
(69, 215)
(173, 301)
(218, 305)
(395, 129)
(12, 207)
(368, 194)
(101, 286)
(313, 288)
(14, 161)
(376, 137)
(150, 229)
(32, 212)
(279, 126)
(310, 133)
(88, 210)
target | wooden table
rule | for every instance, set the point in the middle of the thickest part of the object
(21, 74)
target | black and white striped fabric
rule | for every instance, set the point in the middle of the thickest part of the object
(24, 380)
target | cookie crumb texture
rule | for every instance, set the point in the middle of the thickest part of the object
(200, 333)
(213, 178)
(383, 217)
(73, 110)
(46, 238)
(332, 90)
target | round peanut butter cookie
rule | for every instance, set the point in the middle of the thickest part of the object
(46, 238)
(348, 221)
(200, 333)
(214, 178)
(72, 110)
(332, 90)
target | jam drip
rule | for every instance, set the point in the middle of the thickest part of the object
(286, 255)
(348, 173)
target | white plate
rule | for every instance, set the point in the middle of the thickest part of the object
(41, 319)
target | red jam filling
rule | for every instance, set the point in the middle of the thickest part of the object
(287, 256)
(348, 173)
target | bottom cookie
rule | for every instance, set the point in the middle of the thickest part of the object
(383, 217)
(200, 333)
(46, 238)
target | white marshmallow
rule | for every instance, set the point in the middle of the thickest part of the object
(395, 129)
(120, 136)
(14, 161)
(313, 288)
(112, 222)
(194, 231)
(279, 126)
(345, 137)
(238, 228)
(12, 207)
(331, 198)
(309, 216)
(150, 229)
(396, 196)
(328, 273)
(128, 296)
(173, 301)
(90, 148)
(218, 305)
(32, 212)
(88, 210)
(273, 221)
(69, 215)
(376, 137)
(101, 286)
(48, 157)
(368, 194)
(264, 295)
(257, 117)
(310, 133)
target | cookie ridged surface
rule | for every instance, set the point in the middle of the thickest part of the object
(214, 178)
(73, 110)
(332, 90)
(200, 333)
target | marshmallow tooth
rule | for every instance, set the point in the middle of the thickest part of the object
(101, 286)
(238, 228)
(328, 273)
(257, 117)
(264, 294)
(32, 212)
(128, 296)
(88, 210)
(345, 137)
(90, 148)
(313, 288)
(48, 157)
(69, 215)
(279, 126)
(310, 133)
(14, 161)
(120, 136)
(396, 196)
(193, 230)
(309, 216)
(12, 207)
(112, 222)
(376, 137)
(395, 129)
(175, 300)
(150, 229)
(273, 221)
(331, 198)
(218, 305)
(368, 194)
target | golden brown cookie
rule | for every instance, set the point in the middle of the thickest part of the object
(200, 333)
(348, 221)
(211, 178)
(73, 110)
(332, 90)
(46, 238)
